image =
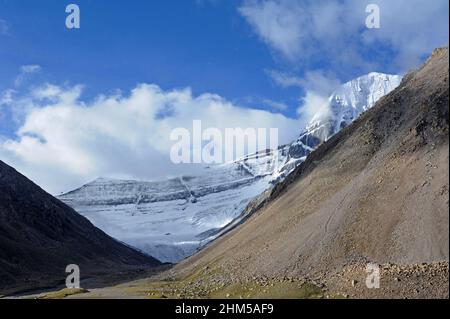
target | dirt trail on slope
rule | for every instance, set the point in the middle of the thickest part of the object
(376, 192)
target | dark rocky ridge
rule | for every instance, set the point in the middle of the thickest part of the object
(40, 236)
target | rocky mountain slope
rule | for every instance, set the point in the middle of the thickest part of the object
(171, 219)
(40, 236)
(376, 192)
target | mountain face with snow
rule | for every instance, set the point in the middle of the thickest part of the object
(344, 106)
(172, 219)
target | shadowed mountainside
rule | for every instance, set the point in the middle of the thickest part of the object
(40, 236)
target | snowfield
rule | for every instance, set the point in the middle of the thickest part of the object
(172, 219)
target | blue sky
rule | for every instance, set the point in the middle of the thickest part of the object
(63, 92)
(208, 47)
(205, 44)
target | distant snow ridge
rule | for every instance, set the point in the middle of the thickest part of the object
(169, 219)
(172, 219)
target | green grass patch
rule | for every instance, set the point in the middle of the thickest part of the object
(271, 290)
(63, 293)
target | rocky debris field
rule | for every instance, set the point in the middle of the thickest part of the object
(421, 281)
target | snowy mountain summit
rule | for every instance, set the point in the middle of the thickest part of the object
(352, 99)
(344, 105)
(173, 218)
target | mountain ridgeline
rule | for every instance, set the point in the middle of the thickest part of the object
(172, 219)
(376, 192)
(367, 183)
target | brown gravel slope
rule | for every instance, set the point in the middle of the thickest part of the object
(377, 191)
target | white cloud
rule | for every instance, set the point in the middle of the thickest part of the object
(207, 2)
(317, 35)
(32, 68)
(317, 81)
(315, 107)
(284, 80)
(315, 104)
(7, 97)
(4, 27)
(279, 106)
(64, 142)
(318, 86)
(305, 31)
(412, 27)
(26, 70)
(320, 82)
(277, 23)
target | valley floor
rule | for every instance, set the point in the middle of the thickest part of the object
(398, 282)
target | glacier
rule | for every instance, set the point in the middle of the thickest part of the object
(173, 218)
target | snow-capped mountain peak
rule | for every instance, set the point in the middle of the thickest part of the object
(171, 219)
(345, 104)
(355, 97)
